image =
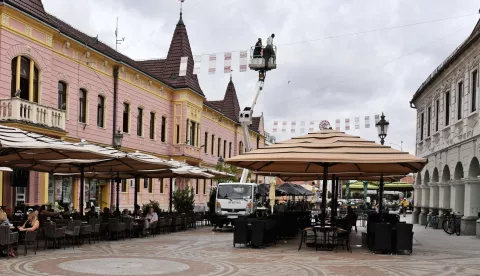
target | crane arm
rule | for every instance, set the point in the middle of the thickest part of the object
(246, 120)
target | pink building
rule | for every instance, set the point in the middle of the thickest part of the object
(58, 81)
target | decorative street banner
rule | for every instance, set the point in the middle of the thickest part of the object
(357, 122)
(227, 63)
(275, 130)
(312, 123)
(367, 121)
(337, 124)
(284, 130)
(183, 67)
(347, 124)
(293, 130)
(294, 123)
(284, 123)
(377, 118)
(197, 64)
(302, 123)
(212, 64)
(275, 123)
(243, 61)
(302, 130)
(310, 129)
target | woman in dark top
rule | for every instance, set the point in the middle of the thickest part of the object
(257, 52)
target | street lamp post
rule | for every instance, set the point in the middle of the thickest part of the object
(382, 127)
(117, 144)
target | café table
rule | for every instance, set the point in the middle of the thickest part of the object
(325, 229)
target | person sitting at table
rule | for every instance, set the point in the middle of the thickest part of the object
(3, 218)
(31, 224)
(152, 215)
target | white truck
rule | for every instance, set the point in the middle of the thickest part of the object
(234, 200)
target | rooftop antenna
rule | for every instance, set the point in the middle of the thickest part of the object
(117, 41)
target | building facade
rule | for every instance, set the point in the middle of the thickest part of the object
(57, 81)
(448, 135)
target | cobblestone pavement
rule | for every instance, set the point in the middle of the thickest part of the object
(203, 252)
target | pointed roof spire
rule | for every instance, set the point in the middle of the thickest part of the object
(180, 47)
(180, 21)
(231, 106)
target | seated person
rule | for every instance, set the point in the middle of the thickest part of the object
(31, 224)
(152, 215)
(3, 218)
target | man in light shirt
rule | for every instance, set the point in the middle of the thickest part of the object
(152, 216)
(268, 51)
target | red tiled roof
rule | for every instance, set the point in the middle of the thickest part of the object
(255, 124)
(229, 106)
(180, 47)
(153, 66)
(32, 7)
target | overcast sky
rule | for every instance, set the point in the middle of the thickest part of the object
(332, 75)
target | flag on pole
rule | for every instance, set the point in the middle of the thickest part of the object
(197, 64)
(337, 124)
(212, 65)
(357, 122)
(227, 62)
(347, 124)
(183, 67)
(367, 121)
(243, 61)
(377, 118)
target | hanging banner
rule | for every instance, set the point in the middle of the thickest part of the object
(302, 123)
(293, 130)
(227, 62)
(367, 121)
(302, 130)
(183, 67)
(312, 123)
(197, 64)
(284, 130)
(275, 123)
(284, 123)
(377, 118)
(347, 124)
(337, 124)
(310, 129)
(243, 61)
(357, 122)
(275, 130)
(212, 64)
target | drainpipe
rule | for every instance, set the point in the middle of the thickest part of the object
(115, 94)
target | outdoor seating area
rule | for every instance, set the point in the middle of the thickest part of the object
(61, 233)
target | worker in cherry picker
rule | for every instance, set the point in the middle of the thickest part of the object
(268, 51)
(257, 52)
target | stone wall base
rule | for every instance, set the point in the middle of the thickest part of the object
(422, 220)
(468, 226)
(415, 217)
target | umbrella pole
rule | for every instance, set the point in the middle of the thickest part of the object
(118, 180)
(135, 197)
(324, 194)
(171, 195)
(82, 188)
(380, 197)
(333, 212)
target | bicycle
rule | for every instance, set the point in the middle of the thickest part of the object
(451, 224)
(432, 221)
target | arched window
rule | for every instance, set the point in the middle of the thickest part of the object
(25, 76)
(82, 106)
(101, 111)
(62, 95)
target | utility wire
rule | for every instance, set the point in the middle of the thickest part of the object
(377, 67)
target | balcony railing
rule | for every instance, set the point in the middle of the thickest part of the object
(19, 110)
(187, 150)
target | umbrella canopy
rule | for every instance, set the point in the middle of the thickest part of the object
(329, 152)
(343, 176)
(19, 148)
(342, 153)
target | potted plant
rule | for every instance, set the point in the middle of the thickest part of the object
(184, 200)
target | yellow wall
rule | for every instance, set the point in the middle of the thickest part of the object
(1, 188)
(44, 188)
(105, 200)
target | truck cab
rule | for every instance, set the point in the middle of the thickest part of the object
(234, 200)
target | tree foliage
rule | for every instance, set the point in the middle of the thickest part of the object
(184, 200)
(227, 169)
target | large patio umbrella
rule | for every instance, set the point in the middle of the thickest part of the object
(329, 152)
(19, 148)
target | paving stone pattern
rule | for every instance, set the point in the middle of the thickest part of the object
(203, 252)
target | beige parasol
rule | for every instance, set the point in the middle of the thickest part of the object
(329, 152)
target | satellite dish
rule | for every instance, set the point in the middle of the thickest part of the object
(324, 125)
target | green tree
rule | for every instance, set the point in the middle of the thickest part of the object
(227, 169)
(183, 200)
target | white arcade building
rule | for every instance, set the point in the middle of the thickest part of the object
(448, 135)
